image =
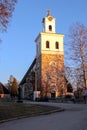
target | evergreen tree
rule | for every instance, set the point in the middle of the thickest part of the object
(13, 86)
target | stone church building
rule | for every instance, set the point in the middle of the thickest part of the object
(45, 76)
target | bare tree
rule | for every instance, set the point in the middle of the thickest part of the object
(77, 51)
(6, 10)
(46, 84)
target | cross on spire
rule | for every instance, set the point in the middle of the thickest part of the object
(48, 12)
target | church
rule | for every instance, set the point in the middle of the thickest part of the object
(45, 76)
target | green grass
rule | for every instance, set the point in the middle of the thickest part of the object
(16, 110)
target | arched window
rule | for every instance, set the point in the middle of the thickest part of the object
(47, 44)
(50, 28)
(57, 45)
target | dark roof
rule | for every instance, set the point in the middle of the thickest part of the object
(3, 89)
(24, 78)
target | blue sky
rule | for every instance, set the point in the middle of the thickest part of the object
(18, 49)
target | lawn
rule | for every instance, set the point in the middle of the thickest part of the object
(16, 110)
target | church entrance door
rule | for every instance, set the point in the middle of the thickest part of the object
(53, 95)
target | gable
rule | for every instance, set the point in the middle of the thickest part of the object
(3, 89)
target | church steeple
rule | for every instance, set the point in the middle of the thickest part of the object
(49, 54)
(49, 23)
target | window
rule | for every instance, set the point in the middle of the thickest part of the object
(57, 45)
(50, 28)
(47, 44)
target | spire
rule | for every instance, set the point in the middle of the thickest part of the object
(48, 12)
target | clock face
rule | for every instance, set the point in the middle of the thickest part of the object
(50, 18)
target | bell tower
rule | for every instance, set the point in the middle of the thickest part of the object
(48, 23)
(49, 58)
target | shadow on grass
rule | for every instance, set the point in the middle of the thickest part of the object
(15, 110)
